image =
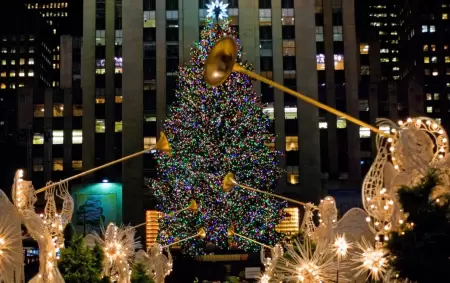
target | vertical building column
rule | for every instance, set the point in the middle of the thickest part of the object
(133, 110)
(249, 36)
(308, 115)
(392, 100)
(48, 134)
(68, 131)
(66, 61)
(278, 95)
(188, 18)
(330, 84)
(161, 65)
(25, 115)
(351, 89)
(88, 85)
(375, 83)
(110, 15)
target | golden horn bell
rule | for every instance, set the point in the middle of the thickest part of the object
(220, 61)
(193, 205)
(229, 182)
(163, 144)
(230, 232)
(201, 233)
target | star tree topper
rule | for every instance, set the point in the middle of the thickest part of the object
(217, 9)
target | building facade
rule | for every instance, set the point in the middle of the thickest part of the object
(114, 101)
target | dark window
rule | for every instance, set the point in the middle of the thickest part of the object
(265, 4)
(265, 32)
(288, 32)
(171, 5)
(172, 51)
(202, 4)
(149, 5)
(288, 63)
(172, 34)
(149, 34)
(266, 64)
(172, 65)
(287, 4)
(233, 4)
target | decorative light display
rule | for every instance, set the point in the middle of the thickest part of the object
(341, 247)
(305, 264)
(119, 247)
(371, 259)
(156, 263)
(11, 254)
(217, 8)
(212, 131)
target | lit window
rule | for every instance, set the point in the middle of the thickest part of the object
(58, 137)
(337, 33)
(432, 28)
(31, 49)
(291, 143)
(429, 109)
(58, 110)
(319, 33)
(447, 59)
(38, 164)
(58, 164)
(118, 126)
(363, 48)
(265, 17)
(38, 138)
(30, 61)
(436, 96)
(428, 96)
(434, 59)
(426, 60)
(100, 37)
(13, 62)
(288, 47)
(364, 132)
(77, 110)
(425, 47)
(149, 142)
(292, 174)
(435, 73)
(12, 73)
(3, 74)
(323, 125)
(4, 50)
(22, 73)
(3, 62)
(287, 17)
(149, 19)
(30, 73)
(77, 136)
(22, 61)
(424, 28)
(341, 123)
(100, 125)
(433, 47)
(118, 98)
(77, 165)
(100, 101)
(39, 110)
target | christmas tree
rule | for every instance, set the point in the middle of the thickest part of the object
(420, 251)
(213, 131)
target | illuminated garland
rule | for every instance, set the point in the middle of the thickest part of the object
(213, 131)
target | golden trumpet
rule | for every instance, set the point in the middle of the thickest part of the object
(162, 145)
(231, 233)
(229, 182)
(201, 234)
(221, 62)
(193, 206)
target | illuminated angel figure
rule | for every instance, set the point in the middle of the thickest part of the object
(353, 224)
(157, 264)
(119, 247)
(270, 262)
(419, 145)
(24, 197)
(11, 252)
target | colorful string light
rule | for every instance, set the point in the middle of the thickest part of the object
(213, 131)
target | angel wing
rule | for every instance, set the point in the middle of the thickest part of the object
(354, 225)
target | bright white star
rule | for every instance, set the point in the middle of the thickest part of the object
(217, 6)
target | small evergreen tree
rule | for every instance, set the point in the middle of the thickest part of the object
(79, 264)
(139, 275)
(420, 252)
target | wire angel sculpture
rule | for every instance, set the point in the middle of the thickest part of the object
(119, 247)
(419, 144)
(11, 254)
(47, 228)
(270, 262)
(156, 263)
(353, 224)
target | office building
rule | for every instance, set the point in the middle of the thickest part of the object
(117, 105)
(425, 57)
